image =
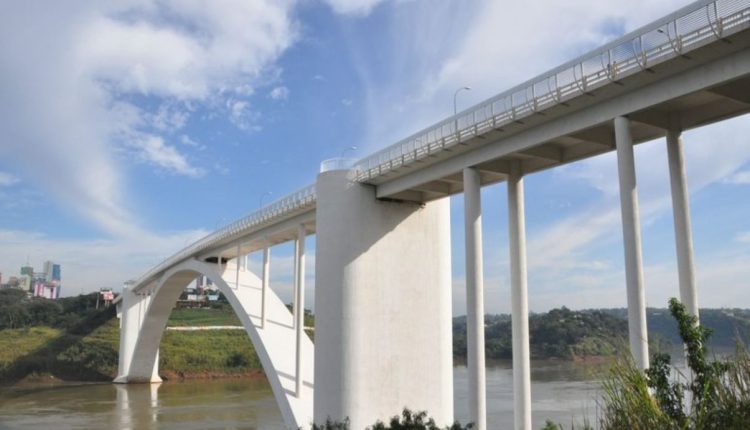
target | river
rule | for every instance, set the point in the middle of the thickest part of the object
(561, 391)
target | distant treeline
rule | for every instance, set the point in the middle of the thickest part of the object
(68, 313)
(566, 334)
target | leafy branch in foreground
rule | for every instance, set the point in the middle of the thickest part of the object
(717, 395)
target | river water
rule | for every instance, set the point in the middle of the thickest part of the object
(561, 391)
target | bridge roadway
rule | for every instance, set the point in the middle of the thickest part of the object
(689, 69)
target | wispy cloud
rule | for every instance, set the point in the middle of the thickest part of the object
(6, 179)
(739, 178)
(279, 93)
(69, 91)
(153, 150)
(358, 8)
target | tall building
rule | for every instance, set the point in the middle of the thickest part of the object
(47, 283)
(53, 272)
(27, 270)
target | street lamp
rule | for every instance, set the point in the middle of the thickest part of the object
(349, 148)
(262, 196)
(455, 111)
(455, 96)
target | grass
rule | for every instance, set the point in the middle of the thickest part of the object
(221, 351)
(203, 317)
(91, 354)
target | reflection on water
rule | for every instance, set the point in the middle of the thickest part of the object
(561, 391)
(217, 404)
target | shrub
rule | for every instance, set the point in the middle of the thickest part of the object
(407, 421)
(716, 397)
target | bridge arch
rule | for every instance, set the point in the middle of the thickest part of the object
(274, 342)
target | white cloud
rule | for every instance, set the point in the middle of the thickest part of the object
(279, 93)
(353, 7)
(6, 179)
(243, 116)
(68, 90)
(169, 118)
(152, 149)
(744, 237)
(741, 177)
(346, 102)
(187, 141)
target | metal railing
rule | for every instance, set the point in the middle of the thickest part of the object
(674, 35)
(285, 207)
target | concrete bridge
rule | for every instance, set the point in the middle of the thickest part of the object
(382, 275)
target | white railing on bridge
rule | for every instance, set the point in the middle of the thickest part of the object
(285, 207)
(686, 29)
(338, 163)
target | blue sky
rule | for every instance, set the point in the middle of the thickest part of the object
(129, 129)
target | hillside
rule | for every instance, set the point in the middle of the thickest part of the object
(69, 339)
(565, 334)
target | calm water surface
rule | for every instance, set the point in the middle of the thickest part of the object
(561, 391)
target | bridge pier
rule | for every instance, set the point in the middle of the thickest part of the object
(519, 299)
(383, 305)
(682, 229)
(134, 307)
(631, 232)
(475, 352)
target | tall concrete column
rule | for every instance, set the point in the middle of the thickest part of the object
(519, 299)
(299, 300)
(682, 230)
(474, 298)
(264, 285)
(383, 338)
(631, 232)
(129, 325)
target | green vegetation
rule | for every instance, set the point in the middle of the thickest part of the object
(213, 316)
(570, 335)
(225, 352)
(714, 395)
(69, 339)
(407, 421)
(69, 313)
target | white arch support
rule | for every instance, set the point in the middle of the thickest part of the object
(274, 342)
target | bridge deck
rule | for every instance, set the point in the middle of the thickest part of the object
(667, 87)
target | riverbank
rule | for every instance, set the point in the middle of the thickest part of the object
(49, 354)
(70, 340)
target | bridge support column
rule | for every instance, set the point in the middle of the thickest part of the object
(474, 298)
(682, 229)
(299, 300)
(519, 299)
(631, 232)
(264, 286)
(383, 305)
(134, 308)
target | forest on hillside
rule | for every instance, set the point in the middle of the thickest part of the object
(566, 334)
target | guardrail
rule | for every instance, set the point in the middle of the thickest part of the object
(282, 208)
(684, 30)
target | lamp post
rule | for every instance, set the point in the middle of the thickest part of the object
(262, 196)
(455, 110)
(348, 148)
